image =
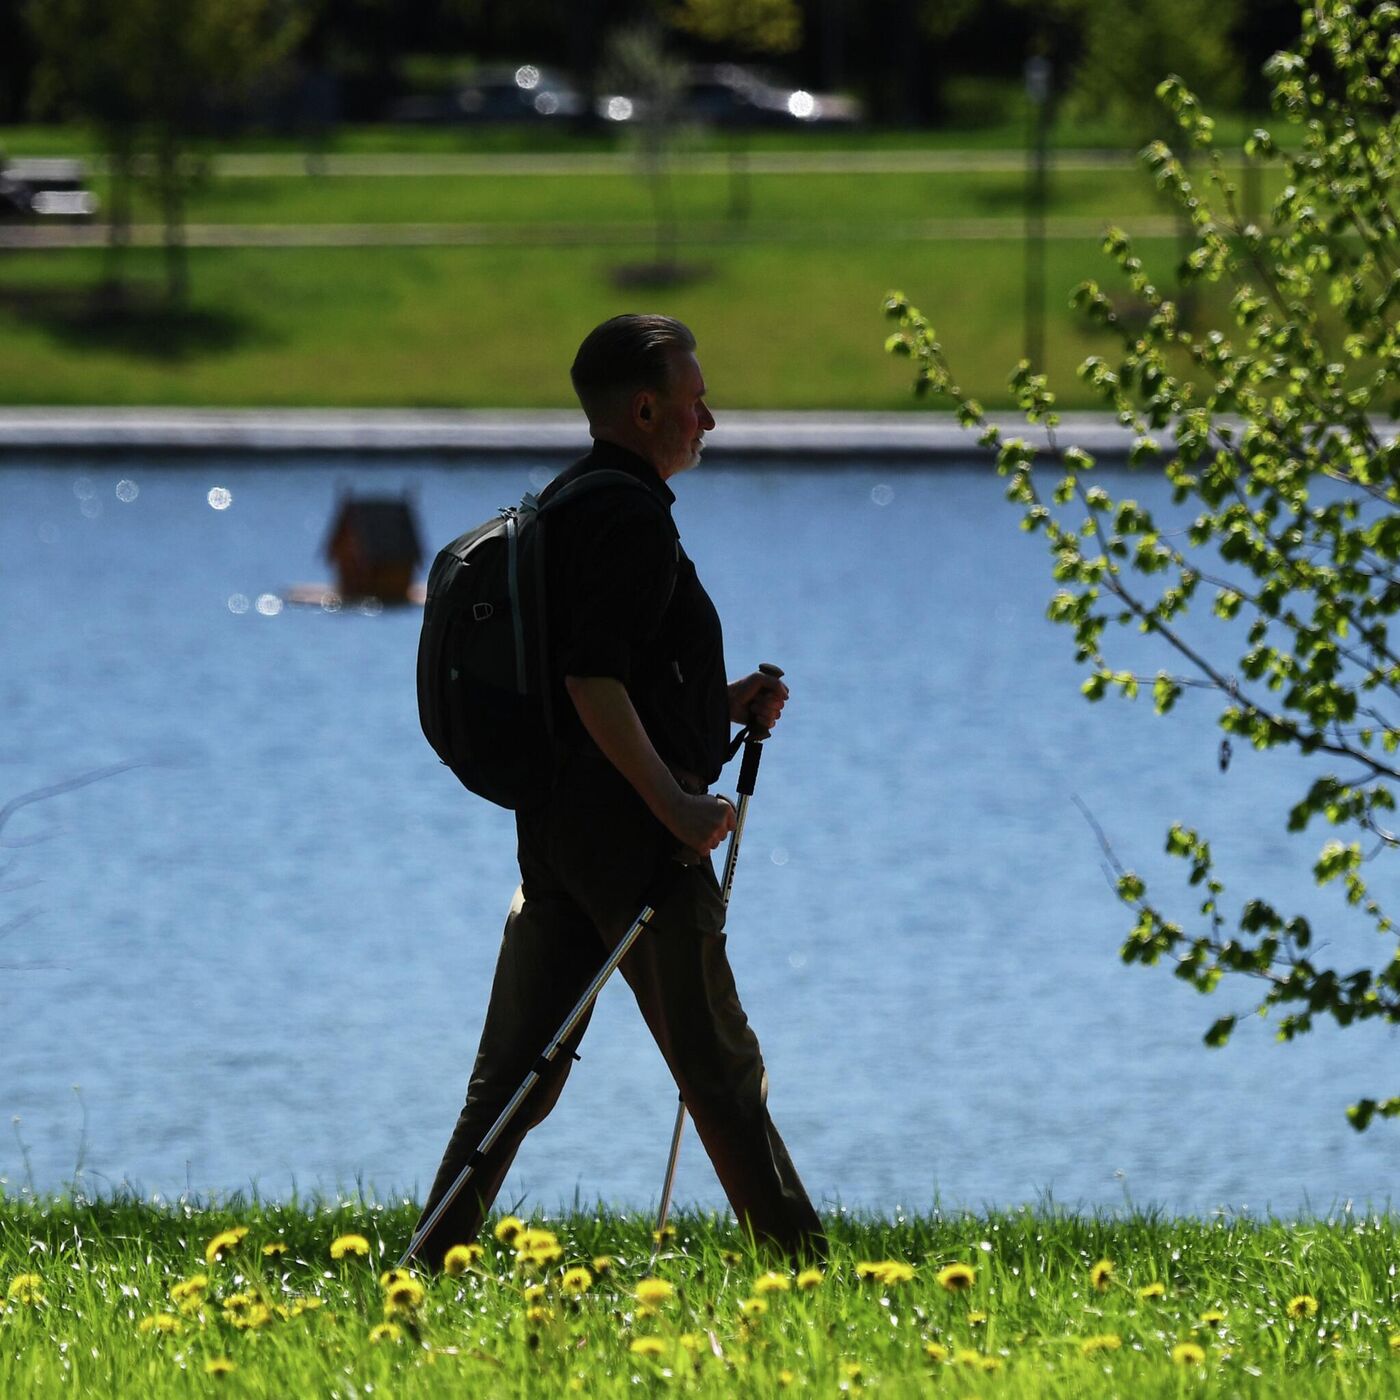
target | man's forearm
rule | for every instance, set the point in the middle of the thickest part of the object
(608, 715)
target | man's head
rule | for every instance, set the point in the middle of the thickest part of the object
(641, 386)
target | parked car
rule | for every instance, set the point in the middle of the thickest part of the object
(726, 94)
(523, 94)
(45, 189)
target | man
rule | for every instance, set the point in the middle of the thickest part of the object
(643, 713)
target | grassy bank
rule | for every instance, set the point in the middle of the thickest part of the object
(780, 326)
(123, 1298)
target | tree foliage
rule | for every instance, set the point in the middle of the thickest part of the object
(1271, 424)
(143, 73)
(754, 26)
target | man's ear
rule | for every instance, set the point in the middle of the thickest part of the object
(643, 408)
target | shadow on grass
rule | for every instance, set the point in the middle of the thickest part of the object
(134, 319)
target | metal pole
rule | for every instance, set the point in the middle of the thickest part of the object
(748, 776)
(541, 1065)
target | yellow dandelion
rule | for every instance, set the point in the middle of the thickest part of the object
(274, 1250)
(853, 1372)
(159, 1322)
(392, 1276)
(238, 1303)
(772, 1283)
(250, 1317)
(219, 1366)
(540, 1257)
(538, 1314)
(731, 1256)
(576, 1280)
(664, 1235)
(529, 1241)
(460, 1258)
(508, 1227)
(385, 1332)
(976, 1318)
(349, 1244)
(1393, 1342)
(533, 1292)
(809, 1279)
(964, 1356)
(1101, 1275)
(406, 1295)
(785, 1378)
(893, 1271)
(1107, 1341)
(26, 1289)
(225, 1242)
(957, 1278)
(1188, 1354)
(654, 1290)
(753, 1307)
(1304, 1305)
(602, 1264)
(989, 1364)
(692, 1341)
(1212, 1317)
(647, 1346)
(189, 1288)
(935, 1351)
(304, 1305)
(1152, 1290)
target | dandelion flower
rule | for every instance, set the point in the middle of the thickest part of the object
(508, 1227)
(576, 1280)
(405, 1295)
(731, 1256)
(26, 1289)
(692, 1341)
(274, 1250)
(538, 1314)
(988, 1364)
(219, 1366)
(891, 1271)
(386, 1332)
(785, 1378)
(1393, 1341)
(1188, 1354)
(1212, 1317)
(158, 1322)
(965, 1356)
(772, 1283)
(532, 1241)
(1156, 1289)
(602, 1264)
(957, 1278)
(189, 1288)
(304, 1305)
(460, 1258)
(238, 1303)
(648, 1346)
(753, 1307)
(853, 1372)
(1304, 1305)
(809, 1279)
(976, 1318)
(224, 1243)
(349, 1244)
(1101, 1275)
(654, 1290)
(935, 1351)
(1107, 1341)
(664, 1235)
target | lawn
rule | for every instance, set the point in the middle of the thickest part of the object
(122, 1298)
(780, 326)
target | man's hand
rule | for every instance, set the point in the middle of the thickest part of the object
(757, 699)
(699, 823)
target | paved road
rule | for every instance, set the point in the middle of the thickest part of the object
(639, 233)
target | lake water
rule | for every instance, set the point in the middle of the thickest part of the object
(264, 954)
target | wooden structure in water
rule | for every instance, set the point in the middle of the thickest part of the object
(375, 548)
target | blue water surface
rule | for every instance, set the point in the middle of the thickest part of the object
(264, 954)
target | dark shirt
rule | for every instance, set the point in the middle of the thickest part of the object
(610, 559)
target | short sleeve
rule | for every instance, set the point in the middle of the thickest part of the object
(624, 564)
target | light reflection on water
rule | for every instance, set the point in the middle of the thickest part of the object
(265, 956)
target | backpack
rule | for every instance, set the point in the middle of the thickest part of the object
(484, 680)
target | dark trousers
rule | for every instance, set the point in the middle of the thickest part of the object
(589, 859)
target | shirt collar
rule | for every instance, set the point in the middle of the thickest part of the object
(610, 455)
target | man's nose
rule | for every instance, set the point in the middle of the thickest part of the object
(708, 419)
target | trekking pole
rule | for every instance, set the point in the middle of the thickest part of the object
(536, 1073)
(752, 737)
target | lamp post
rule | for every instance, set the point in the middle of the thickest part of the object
(1038, 75)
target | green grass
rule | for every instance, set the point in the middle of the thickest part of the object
(1038, 1319)
(780, 326)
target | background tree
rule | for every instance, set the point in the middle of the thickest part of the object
(146, 74)
(1288, 492)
